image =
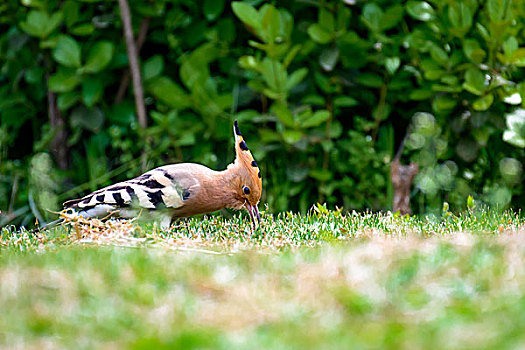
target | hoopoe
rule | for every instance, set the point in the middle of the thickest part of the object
(180, 190)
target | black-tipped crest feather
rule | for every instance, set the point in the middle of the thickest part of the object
(237, 131)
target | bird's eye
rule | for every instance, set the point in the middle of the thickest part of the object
(246, 190)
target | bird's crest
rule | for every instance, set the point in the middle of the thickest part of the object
(245, 159)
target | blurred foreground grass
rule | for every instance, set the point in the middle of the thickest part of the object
(323, 280)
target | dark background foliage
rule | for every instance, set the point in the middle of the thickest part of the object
(324, 91)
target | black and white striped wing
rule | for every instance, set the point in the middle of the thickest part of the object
(156, 189)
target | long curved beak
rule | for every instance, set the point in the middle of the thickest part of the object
(254, 212)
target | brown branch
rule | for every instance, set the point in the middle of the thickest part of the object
(401, 146)
(264, 104)
(124, 82)
(123, 87)
(402, 177)
(133, 63)
(58, 145)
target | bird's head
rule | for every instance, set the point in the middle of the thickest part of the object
(249, 185)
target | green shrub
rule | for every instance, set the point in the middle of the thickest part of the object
(324, 91)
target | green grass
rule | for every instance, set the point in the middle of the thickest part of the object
(325, 280)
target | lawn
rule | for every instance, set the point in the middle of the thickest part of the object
(324, 280)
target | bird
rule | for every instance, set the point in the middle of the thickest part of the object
(180, 190)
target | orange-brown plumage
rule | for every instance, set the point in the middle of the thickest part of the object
(181, 190)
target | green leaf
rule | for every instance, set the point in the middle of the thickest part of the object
(34, 75)
(392, 64)
(460, 17)
(372, 15)
(336, 130)
(483, 103)
(511, 96)
(326, 20)
(327, 145)
(212, 9)
(498, 10)
(316, 119)
(32, 3)
(92, 90)
(439, 55)
(518, 57)
(292, 136)
(291, 55)
(64, 80)
(286, 25)
(83, 29)
(70, 10)
(67, 52)
(256, 85)
(343, 19)
(283, 113)
(50, 43)
(40, 24)
(370, 80)
(328, 58)
(98, 57)
(248, 62)
(446, 88)
(510, 45)
(318, 34)
(483, 32)
(270, 24)
(89, 119)
(420, 94)
(474, 82)
(320, 174)
(295, 78)
(345, 101)
(473, 51)
(122, 114)
(67, 99)
(513, 138)
(516, 121)
(497, 31)
(443, 104)
(450, 80)
(247, 14)
(273, 73)
(391, 17)
(521, 90)
(420, 10)
(515, 128)
(323, 83)
(314, 100)
(153, 67)
(194, 69)
(434, 74)
(169, 92)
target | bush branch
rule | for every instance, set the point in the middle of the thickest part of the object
(124, 82)
(133, 63)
